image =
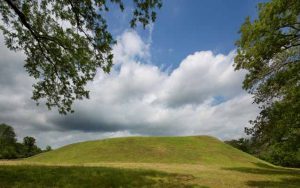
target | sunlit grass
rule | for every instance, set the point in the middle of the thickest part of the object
(147, 162)
(187, 150)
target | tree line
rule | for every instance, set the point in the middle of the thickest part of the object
(11, 149)
(274, 154)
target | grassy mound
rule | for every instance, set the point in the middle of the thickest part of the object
(188, 150)
(194, 161)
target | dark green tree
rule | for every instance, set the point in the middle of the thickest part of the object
(7, 142)
(243, 144)
(269, 49)
(48, 148)
(30, 146)
(65, 42)
(29, 142)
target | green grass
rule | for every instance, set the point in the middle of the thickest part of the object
(195, 161)
(46, 176)
(191, 150)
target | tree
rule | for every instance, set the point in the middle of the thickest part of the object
(269, 49)
(243, 144)
(7, 134)
(7, 141)
(65, 42)
(29, 142)
(48, 148)
(30, 147)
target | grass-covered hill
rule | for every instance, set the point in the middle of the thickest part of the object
(185, 150)
(193, 161)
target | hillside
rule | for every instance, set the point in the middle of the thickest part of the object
(193, 161)
(186, 150)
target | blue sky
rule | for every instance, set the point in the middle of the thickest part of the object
(183, 27)
(176, 77)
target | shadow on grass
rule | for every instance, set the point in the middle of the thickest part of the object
(46, 176)
(284, 182)
(291, 176)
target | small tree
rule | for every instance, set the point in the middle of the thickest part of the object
(48, 148)
(30, 147)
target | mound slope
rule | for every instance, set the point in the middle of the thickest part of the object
(184, 150)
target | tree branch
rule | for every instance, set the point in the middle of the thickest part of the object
(21, 16)
(23, 20)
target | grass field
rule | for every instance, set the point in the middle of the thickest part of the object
(146, 162)
(49, 176)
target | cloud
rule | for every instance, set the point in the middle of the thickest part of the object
(202, 95)
(202, 76)
(129, 47)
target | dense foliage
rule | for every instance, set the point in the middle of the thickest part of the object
(243, 144)
(11, 149)
(7, 142)
(65, 42)
(269, 49)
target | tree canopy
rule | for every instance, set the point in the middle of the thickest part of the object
(7, 134)
(269, 49)
(11, 149)
(65, 42)
(7, 141)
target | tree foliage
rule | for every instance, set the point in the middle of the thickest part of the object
(48, 148)
(243, 144)
(269, 49)
(11, 149)
(30, 147)
(7, 134)
(7, 141)
(65, 42)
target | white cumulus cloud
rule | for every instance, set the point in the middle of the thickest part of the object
(202, 95)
